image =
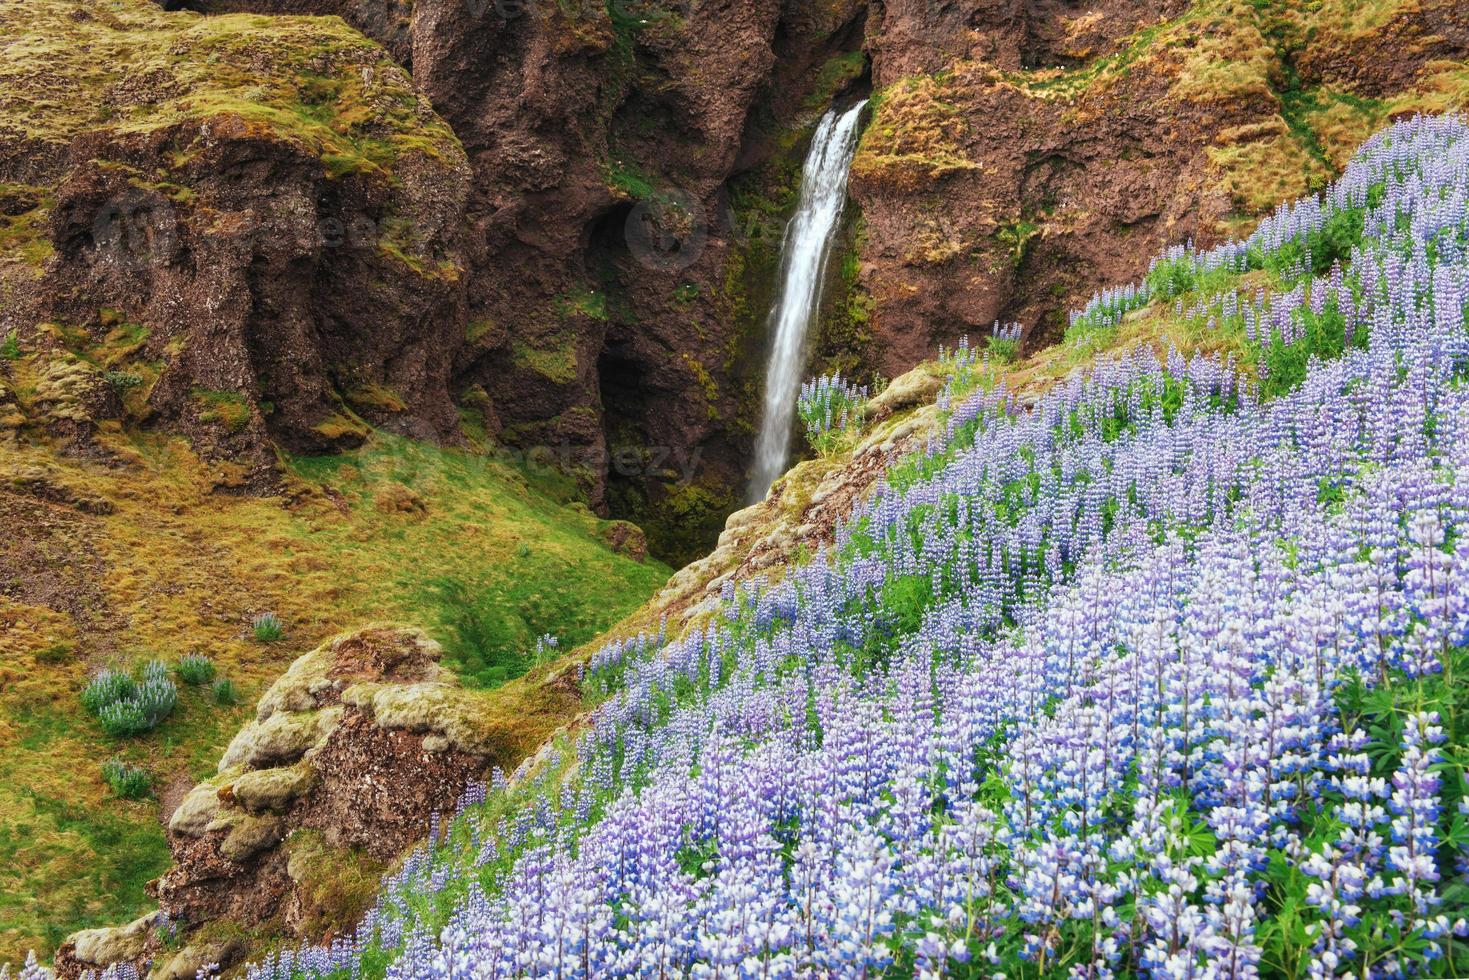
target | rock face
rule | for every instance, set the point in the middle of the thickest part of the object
(205, 180)
(559, 232)
(533, 228)
(351, 753)
(1023, 155)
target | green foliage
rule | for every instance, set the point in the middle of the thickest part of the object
(584, 302)
(267, 627)
(107, 687)
(835, 73)
(125, 706)
(1283, 365)
(831, 408)
(1016, 238)
(533, 565)
(127, 782)
(122, 380)
(1003, 350)
(195, 669)
(1331, 243)
(627, 177)
(225, 692)
(10, 347)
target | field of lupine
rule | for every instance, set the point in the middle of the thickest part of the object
(1157, 678)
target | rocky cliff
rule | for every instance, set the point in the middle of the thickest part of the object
(528, 241)
(1023, 155)
(567, 214)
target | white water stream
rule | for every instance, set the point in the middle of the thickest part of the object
(804, 253)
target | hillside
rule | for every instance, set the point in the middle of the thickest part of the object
(1157, 673)
(380, 592)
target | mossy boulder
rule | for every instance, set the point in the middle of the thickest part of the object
(282, 738)
(273, 789)
(119, 944)
(249, 835)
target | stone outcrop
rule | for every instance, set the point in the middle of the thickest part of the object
(350, 754)
(227, 187)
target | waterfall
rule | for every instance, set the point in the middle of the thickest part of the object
(804, 253)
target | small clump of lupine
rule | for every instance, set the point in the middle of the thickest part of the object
(125, 705)
(195, 669)
(128, 782)
(1159, 678)
(31, 970)
(267, 627)
(830, 406)
(1004, 341)
(225, 692)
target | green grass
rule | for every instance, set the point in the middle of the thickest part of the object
(313, 81)
(541, 567)
(183, 569)
(121, 855)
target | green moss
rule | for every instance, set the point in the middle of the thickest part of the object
(844, 333)
(24, 235)
(916, 136)
(313, 81)
(834, 75)
(336, 885)
(476, 329)
(227, 408)
(342, 425)
(122, 854)
(376, 397)
(590, 303)
(628, 178)
(680, 519)
(1015, 237)
(555, 362)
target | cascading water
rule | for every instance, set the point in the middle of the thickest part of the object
(804, 253)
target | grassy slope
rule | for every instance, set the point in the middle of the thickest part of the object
(179, 568)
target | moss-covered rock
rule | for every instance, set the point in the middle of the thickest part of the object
(282, 738)
(249, 835)
(194, 958)
(119, 944)
(200, 808)
(273, 789)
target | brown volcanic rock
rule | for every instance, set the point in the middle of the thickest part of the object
(579, 130)
(1061, 146)
(582, 121)
(268, 198)
(1378, 54)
